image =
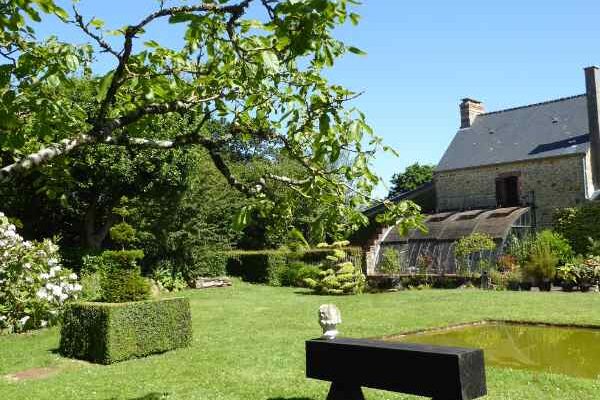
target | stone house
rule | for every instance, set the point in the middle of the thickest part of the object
(544, 155)
(504, 171)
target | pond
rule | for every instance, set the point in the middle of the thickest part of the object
(571, 351)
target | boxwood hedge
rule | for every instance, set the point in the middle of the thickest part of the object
(111, 332)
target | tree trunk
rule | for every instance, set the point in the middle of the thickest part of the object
(94, 237)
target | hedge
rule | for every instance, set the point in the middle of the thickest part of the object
(107, 333)
(577, 224)
(267, 266)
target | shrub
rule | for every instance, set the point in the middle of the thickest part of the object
(472, 245)
(541, 266)
(337, 276)
(577, 224)
(91, 286)
(390, 262)
(204, 261)
(307, 271)
(33, 285)
(167, 279)
(109, 333)
(520, 248)
(557, 244)
(123, 285)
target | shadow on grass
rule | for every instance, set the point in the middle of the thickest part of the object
(149, 396)
(290, 398)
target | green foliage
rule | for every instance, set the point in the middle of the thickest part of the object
(475, 244)
(166, 279)
(337, 276)
(520, 248)
(123, 285)
(541, 266)
(578, 224)
(558, 245)
(109, 333)
(34, 286)
(413, 176)
(266, 80)
(390, 262)
(91, 284)
(123, 233)
(114, 276)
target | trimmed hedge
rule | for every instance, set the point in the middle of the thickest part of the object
(270, 266)
(107, 333)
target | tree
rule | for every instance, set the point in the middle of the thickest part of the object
(264, 76)
(413, 176)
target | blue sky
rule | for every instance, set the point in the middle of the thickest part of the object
(424, 56)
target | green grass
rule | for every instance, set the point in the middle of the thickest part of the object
(249, 344)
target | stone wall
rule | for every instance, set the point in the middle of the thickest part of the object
(556, 182)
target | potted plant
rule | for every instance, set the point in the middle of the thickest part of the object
(569, 276)
(514, 279)
(540, 270)
(589, 274)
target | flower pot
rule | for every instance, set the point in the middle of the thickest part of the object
(545, 286)
(567, 287)
(584, 287)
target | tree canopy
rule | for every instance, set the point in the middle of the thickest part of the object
(255, 64)
(413, 176)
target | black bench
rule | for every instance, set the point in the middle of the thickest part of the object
(441, 373)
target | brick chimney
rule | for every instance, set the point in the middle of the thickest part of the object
(469, 109)
(592, 86)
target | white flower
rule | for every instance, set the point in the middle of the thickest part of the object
(43, 324)
(24, 320)
(52, 262)
(44, 276)
(73, 276)
(42, 293)
(77, 287)
(27, 265)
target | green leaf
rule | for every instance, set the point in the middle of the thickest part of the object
(97, 23)
(53, 80)
(356, 50)
(270, 60)
(72, 62)
(104, 85)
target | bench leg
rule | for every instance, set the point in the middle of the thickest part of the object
(340, 391)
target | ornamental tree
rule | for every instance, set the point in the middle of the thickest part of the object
(257, 64)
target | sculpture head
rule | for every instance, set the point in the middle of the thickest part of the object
(329, 317)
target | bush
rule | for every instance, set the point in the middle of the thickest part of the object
(520, 248)
(307, 271)
(577, 224)
(337, 276)
(109, 333)
(124, 285)
(33, 285)
(557, 244)
(91, 287)
(166, 279)
(390, 262)
(272, 266)
(541, 267)
(206, 262)
(471, 246)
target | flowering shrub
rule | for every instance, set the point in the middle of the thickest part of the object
(33, 284)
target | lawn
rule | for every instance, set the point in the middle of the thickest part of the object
(249, 344)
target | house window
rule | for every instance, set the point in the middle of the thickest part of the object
(508, 191)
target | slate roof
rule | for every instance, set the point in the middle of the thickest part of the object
(549, 129)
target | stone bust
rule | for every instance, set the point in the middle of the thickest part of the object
(329, 318)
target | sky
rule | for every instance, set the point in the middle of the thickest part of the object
(425, 56)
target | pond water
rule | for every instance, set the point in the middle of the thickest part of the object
(560, 350)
